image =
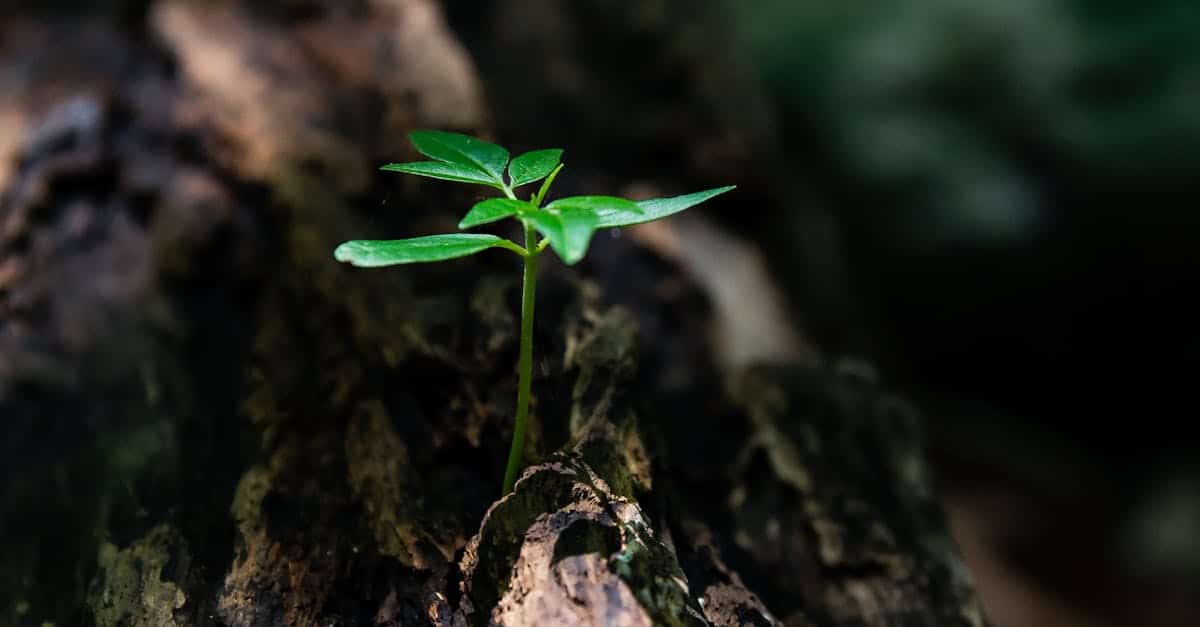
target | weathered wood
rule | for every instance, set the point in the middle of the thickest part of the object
(252, 434)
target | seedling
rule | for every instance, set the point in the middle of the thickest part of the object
(566, 225)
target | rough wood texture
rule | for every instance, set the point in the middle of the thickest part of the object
(208, 421)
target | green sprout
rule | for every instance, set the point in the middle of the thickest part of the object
(566, 225)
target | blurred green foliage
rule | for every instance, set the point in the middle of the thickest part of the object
(963, 119)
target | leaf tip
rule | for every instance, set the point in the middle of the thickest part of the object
(344, 252)
(569, 257)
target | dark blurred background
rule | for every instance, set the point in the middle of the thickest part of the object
(992, 201)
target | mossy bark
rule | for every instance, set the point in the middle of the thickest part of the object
(221, 425)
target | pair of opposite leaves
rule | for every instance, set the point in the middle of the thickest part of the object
(568, 223)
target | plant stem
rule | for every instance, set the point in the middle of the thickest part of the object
(524, 361)
(541, 195)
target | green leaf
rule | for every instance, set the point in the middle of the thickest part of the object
(659, 208)
(493, 209)
(376, 253)
(444, 171)
(462, 150)
(604, 207)
(596, 203)
(569, 231)
(533, 166)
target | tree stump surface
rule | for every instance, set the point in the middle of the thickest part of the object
(207, 421)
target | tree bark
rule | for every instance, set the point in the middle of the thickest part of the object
(209, 421)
